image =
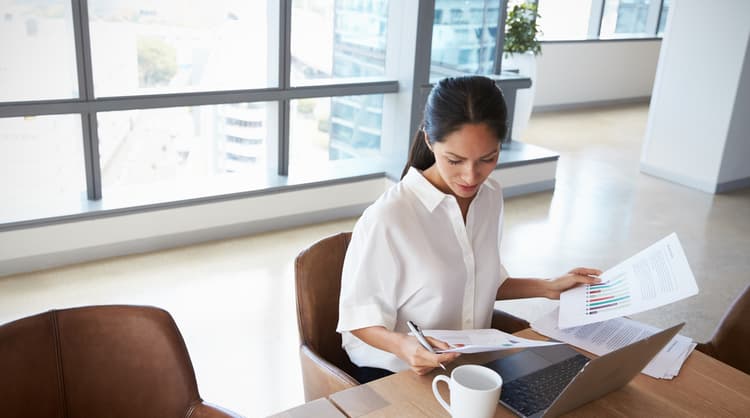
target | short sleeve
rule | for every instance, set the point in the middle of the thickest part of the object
(368, 280)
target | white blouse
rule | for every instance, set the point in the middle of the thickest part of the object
(411, 257)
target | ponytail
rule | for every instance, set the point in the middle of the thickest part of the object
(420, 155)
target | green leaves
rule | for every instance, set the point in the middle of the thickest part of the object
(521, 30)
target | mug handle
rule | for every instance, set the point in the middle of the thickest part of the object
(444, 378)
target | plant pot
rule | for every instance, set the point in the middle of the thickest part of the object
(525, 63)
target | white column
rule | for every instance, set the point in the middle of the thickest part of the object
(698, 131)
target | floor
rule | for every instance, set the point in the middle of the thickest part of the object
(234, 300)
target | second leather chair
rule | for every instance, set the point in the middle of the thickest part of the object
(729, 341)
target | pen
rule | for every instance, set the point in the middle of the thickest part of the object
(420, 337)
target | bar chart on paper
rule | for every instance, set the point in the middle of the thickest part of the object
(609, 296)
(654, 277)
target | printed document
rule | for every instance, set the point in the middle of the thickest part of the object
(654, 277)
(481, 340)
(603, 337)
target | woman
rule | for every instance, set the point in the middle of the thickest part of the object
(428, 250)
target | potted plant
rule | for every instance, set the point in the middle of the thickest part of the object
(520, 49)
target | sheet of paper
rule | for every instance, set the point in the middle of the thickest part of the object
(603, 337)
(481, 340)
(654, 277)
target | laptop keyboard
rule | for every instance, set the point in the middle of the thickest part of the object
(536, 391)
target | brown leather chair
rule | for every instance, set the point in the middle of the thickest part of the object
(729, 342)
(325, 365)
(98, 361)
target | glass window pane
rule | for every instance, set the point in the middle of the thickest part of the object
(333, 129)
(464, 36)
(338, 39)
(187, 151)
(564, 20)
(624, 18)
(41, 166)
(148, 47)
(36, 36)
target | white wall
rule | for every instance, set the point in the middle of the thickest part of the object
(573, 74)
(696, 89)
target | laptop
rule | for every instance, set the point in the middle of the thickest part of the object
(549, 381)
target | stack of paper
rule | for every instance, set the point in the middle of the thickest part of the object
(603, 337)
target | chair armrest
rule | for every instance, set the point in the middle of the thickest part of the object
(206, 410)
(321, 377)
(508, 323)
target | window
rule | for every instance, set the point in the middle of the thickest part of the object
(326, 130)
(624, 18)
(181, 147)
(42, 171)
(244, 141)
(341, 39)
(464, 37)
(42, 39)
(243, 123)
(147, 47)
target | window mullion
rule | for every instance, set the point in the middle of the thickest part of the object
(83, 49)
(86, 93)
(91, 156)
(500, 38)
(425, 19)
(652, 20)
(285, 64)
(595, 19)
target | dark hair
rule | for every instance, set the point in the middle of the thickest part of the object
(454, 102)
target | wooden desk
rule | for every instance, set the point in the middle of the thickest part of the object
(319, 408)
(704, 387)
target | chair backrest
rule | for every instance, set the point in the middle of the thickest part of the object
(96, 361)
(318, 284)
(729, 342)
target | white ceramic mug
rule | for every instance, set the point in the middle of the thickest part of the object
(474, 391)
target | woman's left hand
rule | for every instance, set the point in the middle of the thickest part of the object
(580, 275)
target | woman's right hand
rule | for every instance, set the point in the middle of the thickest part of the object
(406, 347)
(419, 359)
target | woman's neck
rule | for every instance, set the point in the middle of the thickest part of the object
(433, 176)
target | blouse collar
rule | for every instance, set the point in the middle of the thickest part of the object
(429, 195)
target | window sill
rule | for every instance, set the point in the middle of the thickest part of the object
(631, 38)
(138, 199)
